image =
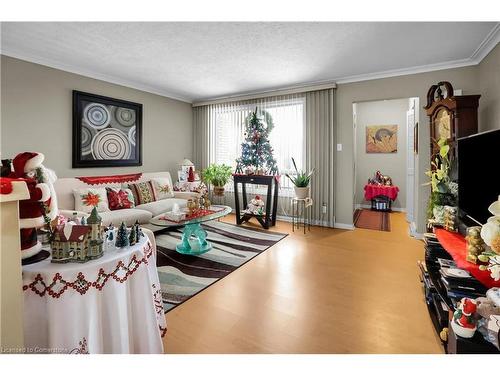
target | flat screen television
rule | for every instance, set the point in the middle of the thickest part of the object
(478, 175)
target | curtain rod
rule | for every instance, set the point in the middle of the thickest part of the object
(265, 94)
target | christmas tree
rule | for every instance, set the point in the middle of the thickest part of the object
(132, 238)
(121, 236)
(256, 151)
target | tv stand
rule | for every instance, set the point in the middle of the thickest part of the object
(441, 306)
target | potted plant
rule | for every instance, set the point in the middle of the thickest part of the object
(218, 176)
(301, 182)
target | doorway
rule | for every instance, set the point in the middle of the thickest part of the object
(384, 140)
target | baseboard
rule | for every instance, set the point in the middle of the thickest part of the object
(343, 226)
(412, 231)
(397, 209)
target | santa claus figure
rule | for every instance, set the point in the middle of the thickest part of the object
(256, 206)
(464, 323)
(41, 207)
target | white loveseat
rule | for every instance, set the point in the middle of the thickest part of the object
(142, 213)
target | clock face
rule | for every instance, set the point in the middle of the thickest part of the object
(442, 124)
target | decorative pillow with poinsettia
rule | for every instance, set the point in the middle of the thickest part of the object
(163, 188)
(120, 198)
(88, 198)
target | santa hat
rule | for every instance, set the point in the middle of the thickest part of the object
(27, 161)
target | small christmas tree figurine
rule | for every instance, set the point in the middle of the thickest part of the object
(256, 151)
(132, 238)
(137, 231)
(121, 236)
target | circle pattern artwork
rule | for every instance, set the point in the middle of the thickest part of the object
(96, 115)
(125, 116)
(88, 133)
(110, 144)
(131, 135)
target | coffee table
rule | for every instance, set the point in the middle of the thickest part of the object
(194, 237)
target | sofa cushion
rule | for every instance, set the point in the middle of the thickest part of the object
(119, 199)
(87, 198)
(128, 215)
(162, 206)
(143, 192)
(163, 188)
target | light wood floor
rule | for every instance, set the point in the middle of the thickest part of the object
(329, 291)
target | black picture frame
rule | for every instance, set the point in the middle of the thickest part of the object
(82, 157)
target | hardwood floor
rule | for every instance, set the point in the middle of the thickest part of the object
(329, 291)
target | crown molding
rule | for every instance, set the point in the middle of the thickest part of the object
(287, 90)
(406, 71)
(487, 45)
(87, 73)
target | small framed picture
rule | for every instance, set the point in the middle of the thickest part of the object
(182, 176)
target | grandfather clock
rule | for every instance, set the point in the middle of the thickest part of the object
(450, 116)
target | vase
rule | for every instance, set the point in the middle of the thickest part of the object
(219, 191)
(302, 192)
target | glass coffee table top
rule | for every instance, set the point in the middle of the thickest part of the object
(219, 211)
(194, 237)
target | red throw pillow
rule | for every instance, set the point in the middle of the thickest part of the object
(118, 199)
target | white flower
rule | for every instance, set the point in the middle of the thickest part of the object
(491, 230)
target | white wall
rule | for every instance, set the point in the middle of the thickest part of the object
(36, 115)
(384, 112)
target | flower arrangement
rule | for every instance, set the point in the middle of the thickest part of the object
(443, 190)
(490, 233)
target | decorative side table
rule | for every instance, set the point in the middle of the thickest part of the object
(301, 209)
(269, 219)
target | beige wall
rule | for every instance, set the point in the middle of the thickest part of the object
(489, 84)
(384, 112)
(36, 115)
(415, 85)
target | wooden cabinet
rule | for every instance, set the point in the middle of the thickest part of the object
(450, 116)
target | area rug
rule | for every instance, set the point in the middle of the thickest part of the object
(376, 220)
(183, 276)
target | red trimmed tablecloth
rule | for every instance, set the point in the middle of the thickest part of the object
(455, 245)
(108, 305)
(371, 191)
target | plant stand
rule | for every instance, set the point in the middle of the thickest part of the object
(194, 240)
(301, 213)
(267, 220)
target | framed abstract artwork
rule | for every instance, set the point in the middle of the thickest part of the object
(107, 132)
(381, 139)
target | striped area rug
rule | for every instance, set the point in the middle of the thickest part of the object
(183, 276)
(369, 219)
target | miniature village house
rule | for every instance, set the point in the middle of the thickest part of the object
(78, 243)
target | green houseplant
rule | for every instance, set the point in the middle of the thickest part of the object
(218, 176)
(301, 181)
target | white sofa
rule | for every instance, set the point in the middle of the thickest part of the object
(142, 213)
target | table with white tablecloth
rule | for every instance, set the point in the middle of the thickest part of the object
(108, 305)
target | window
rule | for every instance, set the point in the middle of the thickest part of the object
(287, 137)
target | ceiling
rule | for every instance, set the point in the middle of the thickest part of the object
(195, 61)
